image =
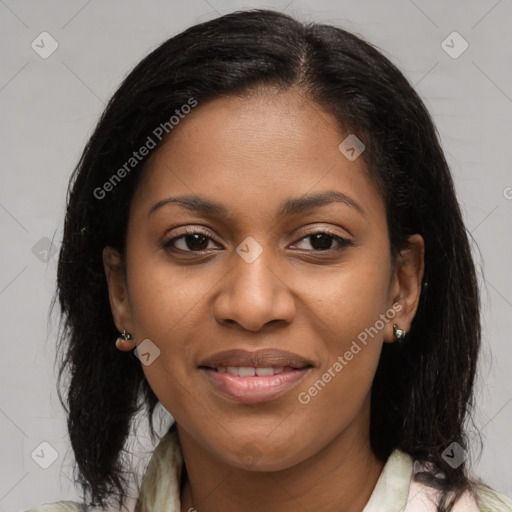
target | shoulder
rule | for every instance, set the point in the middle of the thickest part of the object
(490, 500)
(60, 506)
(423, 498)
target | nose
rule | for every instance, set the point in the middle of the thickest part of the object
(253, 295)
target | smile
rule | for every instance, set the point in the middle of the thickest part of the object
(253, 384)
(247, 371)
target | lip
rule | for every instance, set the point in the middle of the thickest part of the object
(251, 390)
(263, 358)
(256, 388)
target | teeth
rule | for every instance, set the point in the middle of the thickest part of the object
(245, 371)
(264, 371)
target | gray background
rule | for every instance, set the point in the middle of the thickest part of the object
(49, 107)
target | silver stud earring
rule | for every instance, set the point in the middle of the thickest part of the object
(399, 333)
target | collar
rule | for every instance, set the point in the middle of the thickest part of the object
(392, 488)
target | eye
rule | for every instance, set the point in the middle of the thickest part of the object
(190, 241)
(321, 240)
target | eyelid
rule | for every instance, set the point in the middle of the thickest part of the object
(326, 230)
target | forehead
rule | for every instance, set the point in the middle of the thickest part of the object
(252, 153)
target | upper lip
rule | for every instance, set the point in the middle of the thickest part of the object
(263, 358)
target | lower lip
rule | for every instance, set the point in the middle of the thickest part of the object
(251, 390)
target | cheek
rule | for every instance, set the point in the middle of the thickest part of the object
(167, 308)
(351, 298)
(348, 309)
(336, 399)
(164, 299)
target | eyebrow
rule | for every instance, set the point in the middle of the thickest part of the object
(289, 207)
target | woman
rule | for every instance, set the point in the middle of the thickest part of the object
(317, 345)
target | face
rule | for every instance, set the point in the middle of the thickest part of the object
(310, 279)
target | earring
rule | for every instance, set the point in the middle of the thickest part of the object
(399, 333)
(124, 337)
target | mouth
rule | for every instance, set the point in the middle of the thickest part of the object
(253, 377)
(263, 359)
(248, 371)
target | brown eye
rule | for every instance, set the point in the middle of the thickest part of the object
(194, 241)
(322, 241)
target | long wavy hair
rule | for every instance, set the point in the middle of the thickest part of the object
(422, 392)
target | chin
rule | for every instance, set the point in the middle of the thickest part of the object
(262, 452)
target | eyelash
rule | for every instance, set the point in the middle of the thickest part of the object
(343, 242)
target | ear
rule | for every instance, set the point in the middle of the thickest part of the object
(118, 294)
(405, 289)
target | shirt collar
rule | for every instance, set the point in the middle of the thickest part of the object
(392, 489)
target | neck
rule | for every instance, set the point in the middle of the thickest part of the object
(340, 477)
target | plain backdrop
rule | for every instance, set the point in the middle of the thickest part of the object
(50, 105)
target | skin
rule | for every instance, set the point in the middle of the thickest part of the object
(250, 154)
